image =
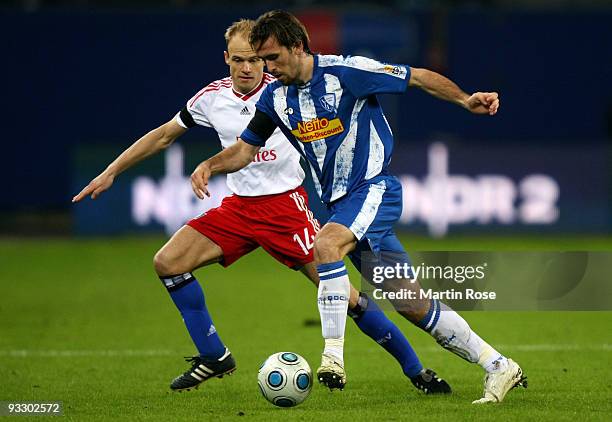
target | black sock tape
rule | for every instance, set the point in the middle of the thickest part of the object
(360, 308)
(174, 282)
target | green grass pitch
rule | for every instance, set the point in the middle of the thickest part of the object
(88, 323)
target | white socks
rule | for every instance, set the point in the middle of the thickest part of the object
(452, 332)
(333, 297)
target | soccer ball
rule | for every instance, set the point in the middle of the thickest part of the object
(285, 379)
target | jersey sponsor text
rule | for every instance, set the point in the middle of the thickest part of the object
(316, 129)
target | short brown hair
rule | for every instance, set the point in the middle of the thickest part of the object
(286, 28)
(242, 27)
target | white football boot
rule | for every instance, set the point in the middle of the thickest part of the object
(497, 384)
(331, 372)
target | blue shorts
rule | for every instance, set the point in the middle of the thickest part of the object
(370, 211)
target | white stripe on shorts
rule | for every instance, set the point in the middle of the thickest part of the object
(300, 203)
(369, 209)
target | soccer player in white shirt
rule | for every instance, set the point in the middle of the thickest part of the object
(328, 109)
(268, 208)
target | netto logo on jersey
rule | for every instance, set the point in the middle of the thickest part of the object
(316, 129)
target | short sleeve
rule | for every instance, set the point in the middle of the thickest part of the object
(185, 119)
(260, 128)
(364, 76)
(195, 111)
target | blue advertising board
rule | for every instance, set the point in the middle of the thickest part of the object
(446, 189)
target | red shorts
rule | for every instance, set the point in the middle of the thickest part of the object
(282, 224)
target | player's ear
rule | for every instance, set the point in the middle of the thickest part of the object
(298, 48)
(226, 57)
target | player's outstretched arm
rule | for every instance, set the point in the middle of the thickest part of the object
(229, 160)
(441, 87)
(149, 144)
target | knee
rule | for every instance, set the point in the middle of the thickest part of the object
(326, 249)
(163, 264)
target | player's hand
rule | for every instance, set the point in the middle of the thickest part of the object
(199, 180)
(483, 103)
(95, 187)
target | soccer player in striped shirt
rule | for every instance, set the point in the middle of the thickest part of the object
(327, 107)
(268, 208)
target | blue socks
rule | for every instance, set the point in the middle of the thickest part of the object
(188, 297)
(373, 322)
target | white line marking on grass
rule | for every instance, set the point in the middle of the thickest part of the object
(545, 347)
(24, 353)
(558, 347)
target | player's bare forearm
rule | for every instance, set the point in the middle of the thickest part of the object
(233, 158)
(437, 85)
(229, 160)
(149, 144)
(441, 87)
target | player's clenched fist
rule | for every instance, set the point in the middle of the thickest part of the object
(95, 187)
(483, 103)
(199, 180)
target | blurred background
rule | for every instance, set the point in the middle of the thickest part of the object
(83, 79)
(83, 317)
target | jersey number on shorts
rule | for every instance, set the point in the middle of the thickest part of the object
(307, 243)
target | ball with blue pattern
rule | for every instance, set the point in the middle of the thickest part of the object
(285, 379)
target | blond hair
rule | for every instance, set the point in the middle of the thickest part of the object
(242, 27)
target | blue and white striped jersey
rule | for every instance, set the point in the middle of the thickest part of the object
(335, 120)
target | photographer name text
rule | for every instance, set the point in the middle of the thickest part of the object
(450, 294)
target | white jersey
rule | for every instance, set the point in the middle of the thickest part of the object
(275, 169)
